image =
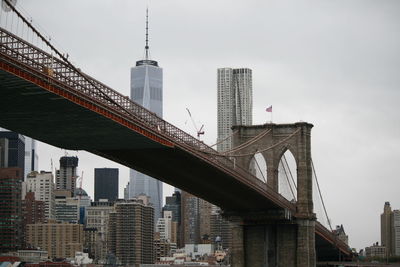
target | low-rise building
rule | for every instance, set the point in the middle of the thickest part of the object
(198, 251)
(32, 256)
(375, 251)
(60, 240)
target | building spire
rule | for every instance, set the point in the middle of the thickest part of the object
(147, 34)
(146, 60)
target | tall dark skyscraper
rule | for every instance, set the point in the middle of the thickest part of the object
(146, 90)
(66, 175)
(105, 184)
(12, 150)
(173, 204)
(31, 156)
(10, 212)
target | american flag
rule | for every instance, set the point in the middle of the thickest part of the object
(269, 109)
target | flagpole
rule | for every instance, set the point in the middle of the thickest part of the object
(269, 109)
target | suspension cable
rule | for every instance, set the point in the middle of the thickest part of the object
(262, 174)
(290, 172)
(37, 32)
(320, 195)
(252, 153)
(248, 143)
(229, 136)
(287, 179)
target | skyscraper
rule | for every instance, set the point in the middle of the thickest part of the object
(43, 186)
(386, 228)
(396, 232)
(131, 232)
(10, 211)
(98, 217)
(190, 226)
(173, 204)
(146, 90)
(14, 143)
(31, 156)
(106, 184)
(66, 175)
(235, 102)
(235, 107)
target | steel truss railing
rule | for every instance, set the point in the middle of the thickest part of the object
(323, 231)
(51, 69)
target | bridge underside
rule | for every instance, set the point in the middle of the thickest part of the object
(33, 111)
(327, 251)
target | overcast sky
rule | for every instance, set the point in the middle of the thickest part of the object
(335, 64)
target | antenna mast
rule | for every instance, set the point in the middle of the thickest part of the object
(147, 34)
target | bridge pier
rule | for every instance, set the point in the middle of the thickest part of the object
(260, 245)
(306, 255)
(237, 255)
(270, 239)
(276, 244)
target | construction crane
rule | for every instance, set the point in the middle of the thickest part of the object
(80, 184)
(199, 131)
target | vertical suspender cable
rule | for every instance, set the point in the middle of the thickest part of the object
(290, 172)
(265, 180)
(320, 195)
(287, 179)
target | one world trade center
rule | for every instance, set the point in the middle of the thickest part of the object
(147, 90)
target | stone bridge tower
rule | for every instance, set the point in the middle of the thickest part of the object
(271, 242)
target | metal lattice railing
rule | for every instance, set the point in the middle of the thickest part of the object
(61, 74)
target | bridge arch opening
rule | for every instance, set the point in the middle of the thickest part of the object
(258, 167)
(287, 176)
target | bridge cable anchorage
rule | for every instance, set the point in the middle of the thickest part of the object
(65, 59)
(320, 195)
(248, 143)
(287, 179)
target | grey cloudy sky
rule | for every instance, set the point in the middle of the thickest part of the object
(335, 64)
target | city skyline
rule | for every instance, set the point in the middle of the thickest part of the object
(339, 74)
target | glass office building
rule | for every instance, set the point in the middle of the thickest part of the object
(147, 90)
